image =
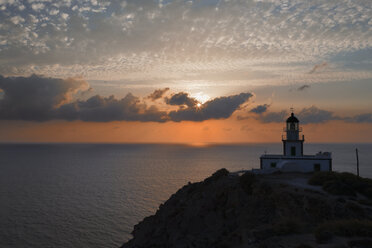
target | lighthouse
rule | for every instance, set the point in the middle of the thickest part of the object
(293, 158)
(292, 144)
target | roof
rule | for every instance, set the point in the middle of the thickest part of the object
(292, 118)
(318, 156)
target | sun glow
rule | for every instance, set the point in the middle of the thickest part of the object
(201, 97)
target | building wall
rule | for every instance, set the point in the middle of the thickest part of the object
(300, 165)
(288, 146)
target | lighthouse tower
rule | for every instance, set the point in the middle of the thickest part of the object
(293, 145)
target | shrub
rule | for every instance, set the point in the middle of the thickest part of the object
(246, 181)
(367, 192)
(356, 208)
(319, 178)
(365, 202)
(360, 243)
(322, 236)
(220, 173)
(338, 188)
(304, 246)
(287, 226)
(351, 228)
(342, 183)
(217, 175)
(264, 189)
(345, 228)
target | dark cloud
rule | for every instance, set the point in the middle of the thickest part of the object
(318, 67)
(303, 87)
(261, 114)
(157, 94)
(104, 109)
(315, 115)
(310, 115)
(181, 98)
(260, 109)
(218, 108)
(36, 98)
(273, 117)
(40, 99)
(306, 115)
(362, 118)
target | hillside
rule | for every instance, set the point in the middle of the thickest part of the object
(281, 210)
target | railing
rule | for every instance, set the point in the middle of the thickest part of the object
(284, 137)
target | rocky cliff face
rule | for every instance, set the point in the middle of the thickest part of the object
(252, 211)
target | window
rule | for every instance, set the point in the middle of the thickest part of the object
(292, 126)
(316, 167)
(273, 165)
(293, 151)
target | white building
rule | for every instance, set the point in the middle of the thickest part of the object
(293, 158)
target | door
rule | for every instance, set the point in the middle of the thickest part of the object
(293, 151)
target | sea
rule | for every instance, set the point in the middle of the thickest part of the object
(91, 195)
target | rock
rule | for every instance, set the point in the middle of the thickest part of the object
(245, 211)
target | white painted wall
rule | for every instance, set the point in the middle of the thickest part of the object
(296, 165)
(290, 144)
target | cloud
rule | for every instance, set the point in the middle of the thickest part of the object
(273, 117)
(53, 12)
(131, 108)
(157, 94)
(362, 118)
(318, 67)
(315, 115)
(218, 108)
(303, 87)
(37, 98)
(260, 109)
(105, 109)
(180, 99)
(64, 16)
(306, 116)
(89, 90)
(184, 38)
(17, 19)
(310, 115)
(37, 6)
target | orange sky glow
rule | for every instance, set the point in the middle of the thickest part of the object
(198, 133)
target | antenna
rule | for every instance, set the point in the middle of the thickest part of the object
(357, 159)
(292, 109)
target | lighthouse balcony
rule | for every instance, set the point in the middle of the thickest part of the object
(288, 138)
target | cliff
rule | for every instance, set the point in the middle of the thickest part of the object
(282, 210)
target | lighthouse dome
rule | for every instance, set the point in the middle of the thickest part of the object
(292, 118)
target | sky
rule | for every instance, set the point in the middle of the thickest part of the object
(184, 71)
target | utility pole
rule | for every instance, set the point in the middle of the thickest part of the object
(357, 157)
